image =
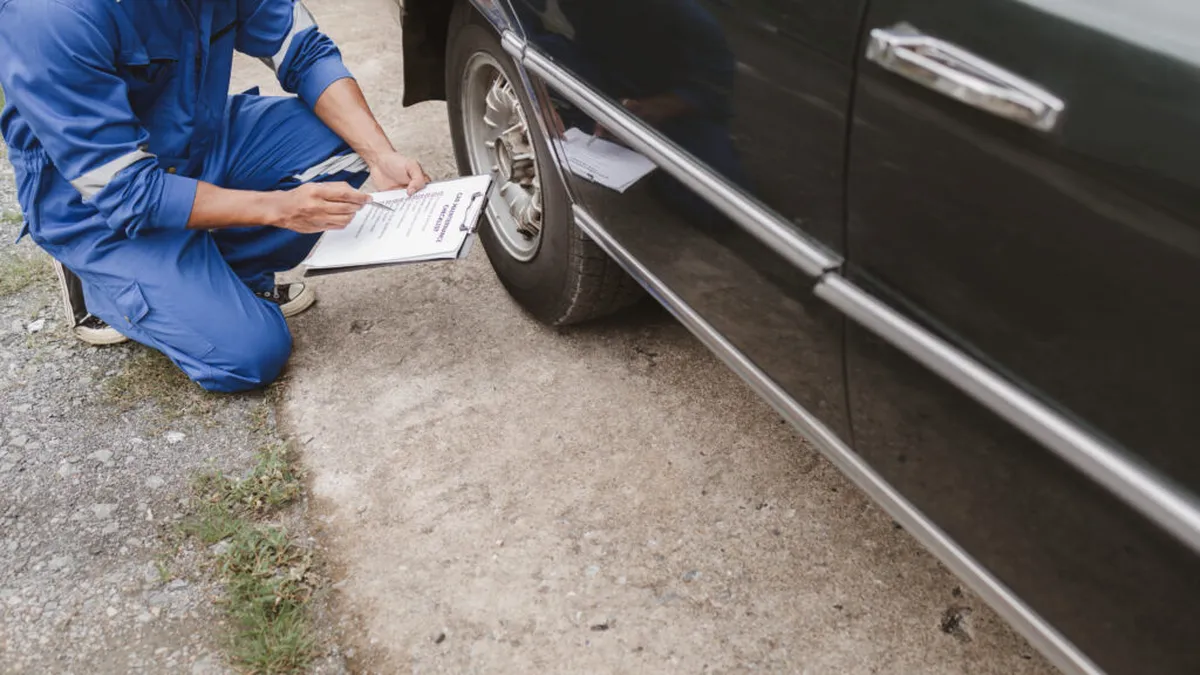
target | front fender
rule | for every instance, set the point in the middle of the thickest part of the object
(424, 25)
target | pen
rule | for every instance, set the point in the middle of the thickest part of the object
(381, 205)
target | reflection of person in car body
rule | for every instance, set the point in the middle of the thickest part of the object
(666, 61)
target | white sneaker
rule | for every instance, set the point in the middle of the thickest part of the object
(94, 331)
(291, 298)
(88, 328)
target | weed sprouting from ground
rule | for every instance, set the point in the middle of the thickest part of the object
(265, 574)
(150, 376)
(272, 484)
(19, 272)
(266, 599)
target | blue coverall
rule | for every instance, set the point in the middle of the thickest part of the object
(115, 109)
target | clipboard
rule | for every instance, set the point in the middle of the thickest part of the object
(436, 224)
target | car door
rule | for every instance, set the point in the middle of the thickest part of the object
(1023, 259)
(742, 107)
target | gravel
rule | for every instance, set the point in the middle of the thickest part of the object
(91, 493)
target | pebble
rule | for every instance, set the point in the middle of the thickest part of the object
(103, 456)
(208, 664)
(174, 437)
(103, 511)
(36, 326)
(155, 482)
(150, 574)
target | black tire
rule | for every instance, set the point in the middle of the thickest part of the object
(569, 279)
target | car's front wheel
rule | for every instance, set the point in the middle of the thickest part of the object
(544, 260)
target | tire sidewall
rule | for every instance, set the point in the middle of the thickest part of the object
(540, 283)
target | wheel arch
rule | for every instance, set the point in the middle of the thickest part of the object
(424, 30)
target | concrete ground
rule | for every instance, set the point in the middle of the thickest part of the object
(500, 497)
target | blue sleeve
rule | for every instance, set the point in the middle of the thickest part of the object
(57, 68)
(284, 34)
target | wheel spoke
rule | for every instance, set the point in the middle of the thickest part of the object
(498, 137)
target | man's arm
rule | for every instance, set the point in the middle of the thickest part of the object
(344, 109)
(314, 207)
(57, 69)
(284, 34)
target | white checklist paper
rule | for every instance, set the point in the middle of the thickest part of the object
(434, 224)
(604, 162)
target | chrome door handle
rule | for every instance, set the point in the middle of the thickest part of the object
(959, 74)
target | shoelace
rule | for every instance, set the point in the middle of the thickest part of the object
(274, 295)
(92, 321)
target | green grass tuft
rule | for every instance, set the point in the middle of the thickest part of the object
(272, 484)
(266, 599)
(265, 574)
(18, 272)
(150, 376)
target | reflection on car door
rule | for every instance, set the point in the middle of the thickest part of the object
(744, 107)
(1065, 260)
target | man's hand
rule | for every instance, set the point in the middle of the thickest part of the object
(392, 171)
(317, 207)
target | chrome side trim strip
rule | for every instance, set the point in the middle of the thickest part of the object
(1040, 634)
(1150, 493)
(514, 45)
(753, 216)
(499, 13)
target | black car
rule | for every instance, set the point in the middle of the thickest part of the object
(955, 242)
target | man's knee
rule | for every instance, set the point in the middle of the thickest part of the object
(252, 357)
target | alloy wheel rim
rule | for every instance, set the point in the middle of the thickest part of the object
(499, 142)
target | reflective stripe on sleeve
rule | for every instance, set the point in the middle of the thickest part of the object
(301, 19)
(97, 179)
(350, 162)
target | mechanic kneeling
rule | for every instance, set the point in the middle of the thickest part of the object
(167, 204)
